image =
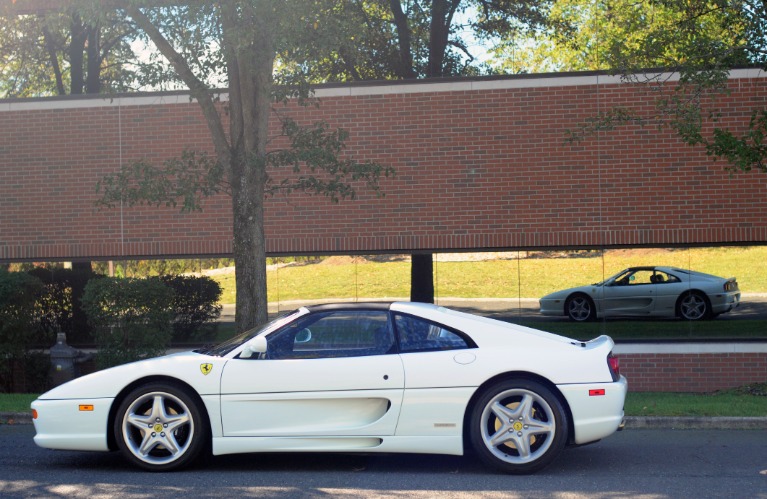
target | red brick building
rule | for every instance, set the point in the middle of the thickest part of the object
(481, 164)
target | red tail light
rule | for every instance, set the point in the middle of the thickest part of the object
(615, 366)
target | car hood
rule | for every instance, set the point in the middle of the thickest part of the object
(557, 295)
(201, 371)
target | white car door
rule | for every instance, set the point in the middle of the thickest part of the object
(437, 360)
(632, 294)
(327, 374)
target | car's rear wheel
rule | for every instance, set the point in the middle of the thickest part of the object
(518, 426)
(693, 306)
(580, 308)
(159, 427)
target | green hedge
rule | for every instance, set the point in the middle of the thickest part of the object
(195, 303)
(61, 305)
(134, 319)
(131, 318)
(19, 324)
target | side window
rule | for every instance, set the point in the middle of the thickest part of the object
(670, 278)
(642, 277)
(419, 335)
(339, 333)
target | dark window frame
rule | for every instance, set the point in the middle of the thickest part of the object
(313, 318)
(469, 342)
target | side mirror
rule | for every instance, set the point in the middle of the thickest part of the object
(255, 346)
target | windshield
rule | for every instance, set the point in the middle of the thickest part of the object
(611, 278)
(227, 346)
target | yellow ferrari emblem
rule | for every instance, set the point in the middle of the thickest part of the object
(206, 368)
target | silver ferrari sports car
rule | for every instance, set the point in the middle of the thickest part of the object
(647, 292)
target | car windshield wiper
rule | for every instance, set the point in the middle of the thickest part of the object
(205, 349)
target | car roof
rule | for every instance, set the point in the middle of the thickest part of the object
(656, 267)
(324, 307)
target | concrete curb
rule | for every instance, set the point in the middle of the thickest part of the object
(632, 422)
(695, 423)
(15, 417)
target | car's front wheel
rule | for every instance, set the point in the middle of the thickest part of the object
(518, 426)
(694, 306)
(159, 427)
(580, 308)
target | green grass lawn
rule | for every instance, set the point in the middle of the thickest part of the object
(530, 277)
(16, 402)
(744, 402)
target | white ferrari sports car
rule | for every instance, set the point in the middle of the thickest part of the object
(647, 292)
(375, 377)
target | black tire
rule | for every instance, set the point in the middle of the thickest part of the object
(580, 308)
(518, 426)
(160, 427)
(693, 306)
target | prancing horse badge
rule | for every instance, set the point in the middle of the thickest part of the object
(206, 368)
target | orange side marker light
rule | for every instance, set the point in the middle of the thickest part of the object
(86, 407)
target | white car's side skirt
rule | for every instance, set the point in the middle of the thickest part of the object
(432, 445)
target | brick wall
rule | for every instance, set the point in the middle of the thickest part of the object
(692, 368)
(481, 164)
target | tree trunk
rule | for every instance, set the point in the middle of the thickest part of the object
(93, 78)
(249, 245)
(404, 67)
(439, 32)
(76, 58)
(250, 67)
(50, 47)
(249, 51)
(422, 278)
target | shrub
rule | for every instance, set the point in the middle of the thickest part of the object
(195, 303)
(131, 318)
(60, 307)
(144, 268)
(36, 368)
(19, 322)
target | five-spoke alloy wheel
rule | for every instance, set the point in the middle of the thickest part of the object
(518, 426)
(580, 308)
(159, 427)
(693, 306)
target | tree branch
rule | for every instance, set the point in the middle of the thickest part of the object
(197, 88)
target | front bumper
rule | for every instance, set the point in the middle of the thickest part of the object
(552, 306)
(72, 424)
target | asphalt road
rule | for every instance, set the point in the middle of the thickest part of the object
(634, 463)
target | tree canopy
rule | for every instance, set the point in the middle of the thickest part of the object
(682, 51)
(63, 52)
